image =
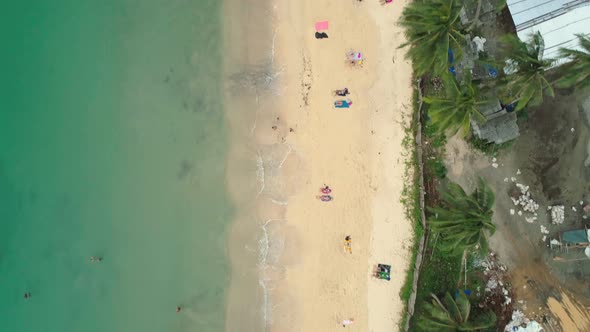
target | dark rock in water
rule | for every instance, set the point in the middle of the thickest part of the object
(321, 35)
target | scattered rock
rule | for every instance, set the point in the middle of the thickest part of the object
(525, 200)
(557, 214)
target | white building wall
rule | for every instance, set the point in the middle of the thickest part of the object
(558, 27)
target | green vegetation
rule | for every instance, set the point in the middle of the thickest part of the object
(432, 29)
(577, 72)
(437, 167)
(440, 273)
(455, 110)
(526, 84)
(458, 223)
(411, 201)
(453, 315)
(490, 148)
(462, 220)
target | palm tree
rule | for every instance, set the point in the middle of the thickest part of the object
(577, 72)
(462, 220)
(525, 83)
(453, 315)
(458, 107)
(433, 28)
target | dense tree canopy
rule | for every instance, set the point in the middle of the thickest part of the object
(462, 220)
(432, 29)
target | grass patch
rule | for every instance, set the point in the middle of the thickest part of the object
(439, 274)
(437, 167)
(411, 201)
(489, 148)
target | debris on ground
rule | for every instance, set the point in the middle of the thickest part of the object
(524, 199)
(520, 323)
(557, 214)
(497, 295)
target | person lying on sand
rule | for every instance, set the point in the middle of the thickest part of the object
(343, 93)
(348, 244)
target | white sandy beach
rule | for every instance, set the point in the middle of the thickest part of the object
(357, 151)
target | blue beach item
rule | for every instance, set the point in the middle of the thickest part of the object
(491, 71)
(466, 291)
(342, 103)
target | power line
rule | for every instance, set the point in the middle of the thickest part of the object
(568, 24)
(533, 7)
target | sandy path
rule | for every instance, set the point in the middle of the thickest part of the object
(357, 151)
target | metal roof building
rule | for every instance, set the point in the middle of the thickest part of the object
(557, 20)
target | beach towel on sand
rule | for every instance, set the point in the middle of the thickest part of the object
(322, 25)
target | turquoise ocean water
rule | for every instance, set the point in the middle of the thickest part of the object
(112, 144)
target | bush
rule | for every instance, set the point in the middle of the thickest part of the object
(436, 167)
(489, 148)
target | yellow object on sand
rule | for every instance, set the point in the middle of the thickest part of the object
(348, 246)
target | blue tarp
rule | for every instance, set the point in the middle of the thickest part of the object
(466, 291)
(491, 71)
(577, 236)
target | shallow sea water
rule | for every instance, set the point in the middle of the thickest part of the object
(112, 144)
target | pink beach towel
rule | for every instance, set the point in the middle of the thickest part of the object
(322, 25)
